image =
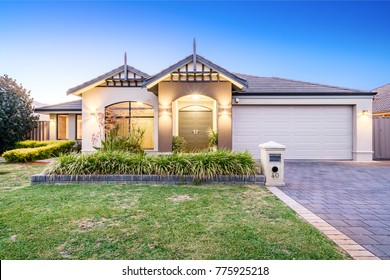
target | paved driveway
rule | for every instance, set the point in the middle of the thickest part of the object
(353, 197)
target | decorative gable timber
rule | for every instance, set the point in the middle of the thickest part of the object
(122, 80)
(123, 76)
(195, 68)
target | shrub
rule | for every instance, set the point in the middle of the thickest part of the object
(16, 113)
(179, 144)
(38, 150)
(201, 165)
(34, 143)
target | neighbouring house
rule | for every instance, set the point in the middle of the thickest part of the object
(314, 121)
(381, 116)
(41, 132)
(42, 117)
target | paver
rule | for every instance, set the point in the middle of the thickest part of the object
(353, 197)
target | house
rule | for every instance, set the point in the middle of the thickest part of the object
(314, 121)
(42, 117)
(381, 117)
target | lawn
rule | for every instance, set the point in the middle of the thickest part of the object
(149, 222)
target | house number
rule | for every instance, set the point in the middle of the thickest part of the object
(275, 175)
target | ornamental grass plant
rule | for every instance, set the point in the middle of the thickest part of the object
(206, 165)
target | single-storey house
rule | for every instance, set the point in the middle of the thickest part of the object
(381, 116)
(314, 121)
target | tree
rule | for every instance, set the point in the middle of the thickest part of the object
(16, 113)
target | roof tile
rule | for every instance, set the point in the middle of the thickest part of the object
(381, 103)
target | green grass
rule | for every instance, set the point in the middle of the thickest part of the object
(151, 222)
(14, 176)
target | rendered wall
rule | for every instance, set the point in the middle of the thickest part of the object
(95, 101)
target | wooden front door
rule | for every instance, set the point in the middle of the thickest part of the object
(193, 126)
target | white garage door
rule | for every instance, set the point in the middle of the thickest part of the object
(309, 132)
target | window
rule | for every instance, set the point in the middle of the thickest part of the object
(79, 132)
(62, 127)
(133, 114)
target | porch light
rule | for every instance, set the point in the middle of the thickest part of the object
(195, 97)
(365, 112)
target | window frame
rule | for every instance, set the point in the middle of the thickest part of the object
(67, 128)
(77, 135)
(130, 117)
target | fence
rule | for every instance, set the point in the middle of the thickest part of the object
(41, 132)
(381, 138)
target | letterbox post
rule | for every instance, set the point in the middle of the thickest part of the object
(272, 162)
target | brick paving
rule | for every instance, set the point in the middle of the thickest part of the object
(353, 197)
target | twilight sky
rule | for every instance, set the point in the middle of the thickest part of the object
(50, 47)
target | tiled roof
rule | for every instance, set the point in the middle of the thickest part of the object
(262, 85)
(72, 106)
(37, 104)
(381, 103)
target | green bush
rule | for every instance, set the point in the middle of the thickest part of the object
(179, 144)
(35, 150)
(33, 143)
(201, 165)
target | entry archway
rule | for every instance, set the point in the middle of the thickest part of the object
(193, 115)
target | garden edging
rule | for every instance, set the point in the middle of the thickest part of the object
(143, 179)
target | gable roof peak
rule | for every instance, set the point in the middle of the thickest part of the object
(152, 81)
(94, 82)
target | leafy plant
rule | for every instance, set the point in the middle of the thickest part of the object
(179, 144)
(16, 113)
(212, 135)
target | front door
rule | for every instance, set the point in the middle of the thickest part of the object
(193, 127)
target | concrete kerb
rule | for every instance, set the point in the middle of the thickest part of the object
(143, 179)
(355, 250)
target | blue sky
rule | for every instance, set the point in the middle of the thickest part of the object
(52, 46)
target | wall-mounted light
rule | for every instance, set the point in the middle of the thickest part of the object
(52, 120)
(365, 112)
(195, 96)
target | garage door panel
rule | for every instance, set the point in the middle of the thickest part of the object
(309, 132)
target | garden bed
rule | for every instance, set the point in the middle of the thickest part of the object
(178, 168)
(143, 179)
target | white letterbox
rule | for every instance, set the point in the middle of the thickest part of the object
(272, 162)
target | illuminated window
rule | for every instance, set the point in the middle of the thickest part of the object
(130, 115)
(79, 132)
(62, 127)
